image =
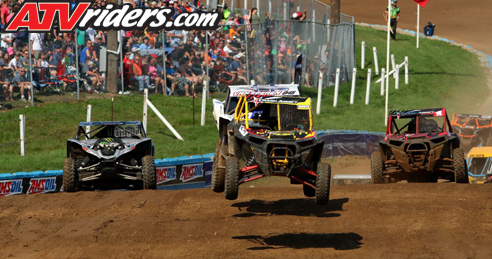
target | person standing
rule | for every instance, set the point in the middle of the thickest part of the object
(394, 16)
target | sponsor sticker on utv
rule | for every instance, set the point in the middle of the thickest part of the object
(190, 172)
(10, 187)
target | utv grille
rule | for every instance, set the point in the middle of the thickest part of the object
(292, 118)
(417, 153)
(280, 158)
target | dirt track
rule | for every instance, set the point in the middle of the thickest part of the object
(362, 221)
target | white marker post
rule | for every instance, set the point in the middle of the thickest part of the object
(406, 70)
(397, 77)
(320, 87)
(418, 25)
(368, 87)
(169, 126)
(393, 64)
(144, 121)
(89, 115)
(382, 81)
(352, 91)
(363, 55)
(22, 128)
(376, 66)
(337, 82)
(204, 101)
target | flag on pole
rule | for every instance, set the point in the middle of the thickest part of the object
(421, 2)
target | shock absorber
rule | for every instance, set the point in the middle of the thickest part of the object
(251, 160)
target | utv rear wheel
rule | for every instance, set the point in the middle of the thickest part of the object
(218, 170)
(70, 175)
(232, 178)
(323, 179)
(308, 191)
(377, 167)
(460, 173)
(148, 173)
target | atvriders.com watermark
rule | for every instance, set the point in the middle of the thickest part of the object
(42, 16)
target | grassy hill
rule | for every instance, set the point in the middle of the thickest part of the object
(441, 75)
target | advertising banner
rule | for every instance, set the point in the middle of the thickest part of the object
(352, 144)
(30, 185)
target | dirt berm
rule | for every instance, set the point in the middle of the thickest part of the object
(444, 220)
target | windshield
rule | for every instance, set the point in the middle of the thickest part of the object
(480, 166)
(419, 124)
(279, 117)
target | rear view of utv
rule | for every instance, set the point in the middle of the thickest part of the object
(271, 136)
(419, 146)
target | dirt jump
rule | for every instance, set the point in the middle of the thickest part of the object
(271, 218)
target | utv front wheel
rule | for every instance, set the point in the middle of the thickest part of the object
(148, 173)
(460, 173)
(218, 170)
(377, 167)
(232, 178)
(323, 179)
(70, 175)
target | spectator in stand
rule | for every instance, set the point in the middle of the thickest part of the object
(138, 74)
(85, 54)
(4, 13)
(176, 37)
(253, 16)
(59, 39)
(298, 16)
(236, 65)
(175, 78)
(20, 80)
(15, 63)
(145, 44)
(96, 47)
(7, 40)
(228, 49)
(185, 71)
(81, 40)
(91, 72)
(156, 75)
(187, 7)
(36, 43)
(222, 53)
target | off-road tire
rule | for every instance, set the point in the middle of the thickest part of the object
(377, 168)
(323, 179)
(148, 173)
(218, 174)
(308, 191)
(459, 162)
(232, 178)
(70, 175)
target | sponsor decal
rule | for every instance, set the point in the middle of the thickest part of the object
(41, 185)
(190, 172)
(252, 94)
(10, 187)
(243, 130)
(165, 174)
(36, 16)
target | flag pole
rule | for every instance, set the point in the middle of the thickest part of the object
(418, 25)
(387, 63)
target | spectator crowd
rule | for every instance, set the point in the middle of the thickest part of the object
(244, 47)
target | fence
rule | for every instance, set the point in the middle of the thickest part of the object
(65, 64)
